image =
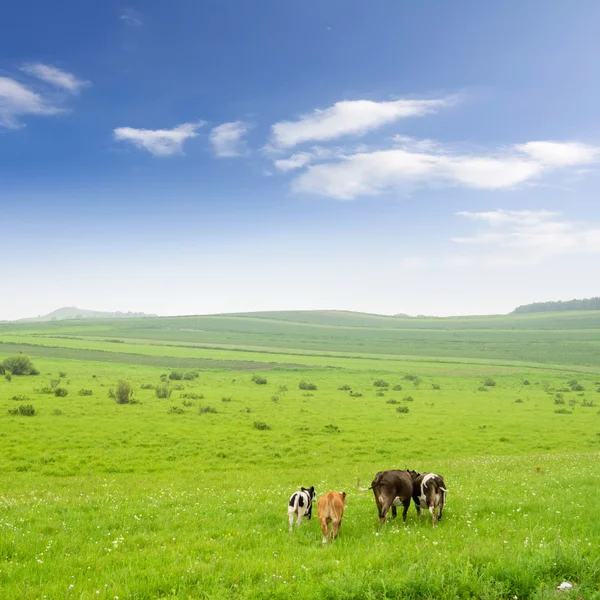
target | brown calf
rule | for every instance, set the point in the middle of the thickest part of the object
(331, 510)
(392, 488)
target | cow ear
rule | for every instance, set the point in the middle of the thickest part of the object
(343, 495)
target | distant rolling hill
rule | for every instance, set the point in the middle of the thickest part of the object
(69, 313)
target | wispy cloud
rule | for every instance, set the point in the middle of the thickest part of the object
(428, 164)
(350, 117)
(131, 17)
(301, 159)
(513, 238)
(226, 139)
(55, 76)
(17, 100)
(159, 142)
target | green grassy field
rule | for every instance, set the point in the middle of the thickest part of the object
(160, 500)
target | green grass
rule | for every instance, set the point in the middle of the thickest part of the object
(100, 500)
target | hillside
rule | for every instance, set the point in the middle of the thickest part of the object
(567, 338)
(559, 305)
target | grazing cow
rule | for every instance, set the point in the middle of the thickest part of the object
(392, 488)
(429, 492)
(301, 504)
(331, 510)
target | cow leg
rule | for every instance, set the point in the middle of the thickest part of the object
(335, 528)
(406, 505)
(441, 509)
(432, 511)
(394, 511)
(309, 513)
(291, 517)
(299, 521)
(324, 530)
(385, 507)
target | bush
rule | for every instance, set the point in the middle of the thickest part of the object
(410, 377)
(381, 383)
(588, 403)
(259, 379)
(305, 385)
(206, 409)
(85, 392)
(308, 394)
(563, 411)
(481, 389)
(572, 402)
(380, 393)
(191, 375)
(45, 390)
(192, 396)
(260, 425)
(397, 388)
(163, 390)
(282, 389)
(347, 388)
(2, 369)
(519, 401)
(20, 398)
(489, 382)
(436, 386)
(391, 401)
(176, 375)
(187, 403)
(578, 388)
(25, 410)
(355, 394)
(226, 399)
(147, 386)
(54, 383)
(57, 412)
(275, 398)
(8, 377)
(175, 410)
(60, 392)
(123, 394)
(20, 364)
(408, 399)
(572, 382)
(525, 382)
(402, 409)
(331, 429)
(559, 398)
(62, 374)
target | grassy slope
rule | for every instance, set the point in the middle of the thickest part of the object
(134, 502)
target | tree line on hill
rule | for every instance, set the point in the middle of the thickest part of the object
(585, 304)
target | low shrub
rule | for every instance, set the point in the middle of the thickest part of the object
(8, 377)
(259, 379)
(525, 382)
(163, 390)
(305, 385)
(392, 401)
(410, 377)
(397, 388)
(176, 375)
(147, 386)
(57, 412)
(275, 398)
(226, 399)
(558, 399)
(563, 411)
(282, 389)
(25, 410)
(175, 410)
(123, 394)
(436, 386)
(380, 394)
(308, 394)
(408, 399)
(519, 401)
(19, 364)
(481, 389)
(62, 374)
(578, 388)
(192, 396)
(355, 394)
(260, 425)
(206, 409)
(191, 375)
(61, 392)
(45, 390)
(347, 388)
(331, 429)
(20, 398)
(588, 403)
(2, 369)
(402, 409)
(381, 383)
(489, 382)
(187, 403)
(83, 392)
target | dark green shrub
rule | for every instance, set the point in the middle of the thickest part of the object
(481, 389)
(519, 401)
(379, 394)
(2, 369)
(408, 399)
(8, 377)
(563, 411)
(187, 403)
(20, 398)
(275, 398)
(397, 388)
(344, 388)
(489, 382)
(282, 389)
(331, 429)
(308, 394)
(525, 382)
(381, 383)
(355, 394)
(305, 385)
(163, 377)
(588, 403)
(147, 386)
(85, 392)
(192, 396)
(162, 390)
(62, 374)
(206, 409)
(410, 377)
(578, 388)
(175, 410)
(123, 394)
(260, 425)
(190, 375)
(402, 409)
(57, 412)
(391, 401)
(436, 386)
(60, 392)
(20, 364)
(54, 383)
(176, 375)
(559, 398)
(259, 379)
(226, 399)
(25, 410)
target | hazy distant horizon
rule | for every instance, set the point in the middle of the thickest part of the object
(194, 159)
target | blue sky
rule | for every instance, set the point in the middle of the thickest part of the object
(200, 157)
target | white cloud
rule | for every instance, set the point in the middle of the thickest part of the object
(16, 100)
(301, 159)
(350, 117)
(375, 172)
(55, 77)
(160, 142)
(131, 17)
(524, 238)
(226, 138)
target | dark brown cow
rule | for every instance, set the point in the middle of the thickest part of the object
(429, 492)
(392, 488)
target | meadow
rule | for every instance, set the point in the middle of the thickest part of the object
(185, 496)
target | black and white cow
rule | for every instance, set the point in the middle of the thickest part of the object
(429, 492)
(301, 504)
